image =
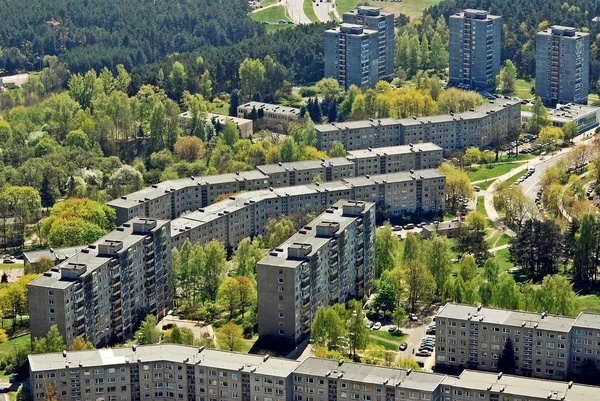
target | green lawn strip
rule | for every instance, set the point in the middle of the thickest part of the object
(385, 344)
(503, 240)
(485, 185)
(480, 208)
(589, 303)
(271, 14)
(490, 171)
(333, 16)
(502, 259)
(491, 239)
(310, 11)
(268, 2)
(515, 177)
(411, 8)
(523, 89)
(344, 5)
(278, 27)
(10, 345)
(221, 108)
(397, 337)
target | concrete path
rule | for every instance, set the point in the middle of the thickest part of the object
(498, 248)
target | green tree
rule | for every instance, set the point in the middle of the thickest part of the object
(556, 296)
(230, 336)
(230, 133)
(468, 267)
(278, 230)
(337, 150)
(412, 249)
(188, 148)
(215, 267)
(53, 342)
(472, 155)
(252, 76)
(507, 295)
(229, 295)
(147, 333)
(385, 298)
(420, 284)
(507, 78)
(476, 221)
(177, 80)
(387, 248)
(491, 271)
(399, 316)
(205, 85)
(457, 184)
(81, 88)
(79, 139)
(506, 361)
(358, 333)
(80, 344)
(247, 254)
(570, 131)
(329, 89)
(539, 118)
(439, 261)
(176, 335)
(458, 290)
(22, 204)
(584, 264)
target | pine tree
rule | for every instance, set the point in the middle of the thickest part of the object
(234, 102)
(506, 362)
(46, 193)
(332, 112)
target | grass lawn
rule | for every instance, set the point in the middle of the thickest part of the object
(485, 185)
(503, 240)
(502, 260)
(412, 8)
(221, 108)
(385, 344)
(265, 3)
(397, 337)
(480, 208)
(490, 171)
(589, 303)
(515, 177)
(522, 89)
(271, 14)
(8, 346)
(345, 5)
(310, 11)
(333, 16)
(278, 27)
(10, 266)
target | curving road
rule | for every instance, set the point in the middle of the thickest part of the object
(295, 9)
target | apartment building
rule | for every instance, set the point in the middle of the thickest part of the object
(479, 127)
(169, 199)
(327, 380)
(393, 159)
(161, 372)
(307, 172)
(586, 117)
(471, 385)
(562, 65)
(329, 261)
(244, 125)
(247, 214)
(375, 19)
(270, 116)
(585, 338)
(100, 291)
(475, 49)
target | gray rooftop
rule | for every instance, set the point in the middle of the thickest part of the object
(272, 108)
(304, 165)
(587, 320)
(506, 317)
(394, 150)
(370, 374)
(167, 352)
(565, 113)
(51, 253)
(522, 386)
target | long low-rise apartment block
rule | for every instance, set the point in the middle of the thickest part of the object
(479, 127)
(169, 199)
(329, 261)
(100, 291)
(179, 372)
(247, 214)
(545, 346)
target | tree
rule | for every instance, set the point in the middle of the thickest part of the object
(231, 336)
(230, 133)
(329, 89)
(50, 391)
(438, 262)
(246, 293)
(277, 231)
(252, 76)
(247, 254)
(507, 295)
(475, 221)
(177, 80)
(556, 296)
(507, 78)
(80, 344)
(412, 249)
(79, 139)
(539, 118)
(491, 271)
(468, 267)
(214, 268)
(189, 148)
(205, 85)
(147, 333)
(387, 247)
(125, 180)
(3, 336)
(408, 363)
(399, 316)
(22, 204)
(23, 393)
(175, 335)
(327, 328)
(584, 262)
(234, 103)
(472, 156)
(506, 361)
(473, 242)
(419, 282)
(53, 342)
(457, 184)
(358, 333)
(385, 298)
(537, 248)
(81, 88)
(552, 134)
(337, 150)
(229, 294)
(570, 131)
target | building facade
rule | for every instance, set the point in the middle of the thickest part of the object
(100, 291)
(479, 127)
(475, 49)
(545, 346)
(244, 125)
(360, 51)
(562, 65)
(247, 214)
(329, 261)
(586, 117)
(170, 199)
(179, 372)
(269, 116)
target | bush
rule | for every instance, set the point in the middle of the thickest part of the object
(248, 330)
(308, 91)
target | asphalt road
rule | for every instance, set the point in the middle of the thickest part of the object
(295, 10)
(532, 184)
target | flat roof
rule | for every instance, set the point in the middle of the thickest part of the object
(52, 253)
(394, 150)
(304, 165)
(506, 317)
(522, 386)
(587, 320)
(164, 353)
(272, 108)
(363, 373)
(565, 113)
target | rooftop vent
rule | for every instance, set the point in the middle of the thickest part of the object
(499, 375)
(265, 358)
(408, 372)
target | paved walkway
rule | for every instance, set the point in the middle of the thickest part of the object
(499, 248)
(198, 328)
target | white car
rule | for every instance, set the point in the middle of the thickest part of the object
(377, 326)
(413, 317)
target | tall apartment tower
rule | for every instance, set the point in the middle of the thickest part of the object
(102, 292)
(331, 260)
(562, 65)
(360, 51)
(475, 48)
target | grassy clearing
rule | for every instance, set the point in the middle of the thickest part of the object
(589, 303)
(490, 171)
(385, 344)
(271, 14)
(485, 185)
(412, 8)
(345, 5)
(523, 89)
(310, 11)
(220, 108)
(397, 337)
(503, 240)
(480, 208)
(502, 260)
(17, 342)
(333, 17)
(10, 266)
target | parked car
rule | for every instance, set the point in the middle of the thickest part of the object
(13, 378)
(423, 353)
(430, 330)
(403, 347)
(391, 329)
(377, 326)
(369, 324)
(413, 317)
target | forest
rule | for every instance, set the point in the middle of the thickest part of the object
(523, 18)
